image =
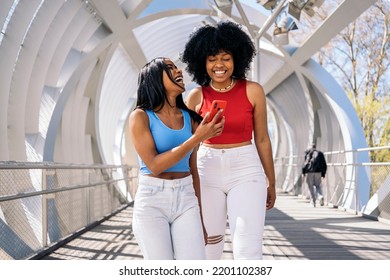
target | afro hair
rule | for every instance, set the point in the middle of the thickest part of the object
(210, 40)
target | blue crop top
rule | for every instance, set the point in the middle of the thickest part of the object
(166, 139)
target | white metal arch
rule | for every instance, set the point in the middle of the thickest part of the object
(68, 73)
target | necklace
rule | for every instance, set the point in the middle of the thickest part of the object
(221, 89)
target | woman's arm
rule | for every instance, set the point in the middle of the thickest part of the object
(143, 142)
(194, 99)
(262, 140)
(196, 182)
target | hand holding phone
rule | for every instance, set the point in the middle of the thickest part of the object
(216, 106)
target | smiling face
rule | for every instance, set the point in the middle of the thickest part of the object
(220, 67)
(175, 79)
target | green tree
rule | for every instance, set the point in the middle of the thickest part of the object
(359, 57)
(384, 155)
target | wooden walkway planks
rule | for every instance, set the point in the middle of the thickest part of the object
(297, 231)
(294, 231)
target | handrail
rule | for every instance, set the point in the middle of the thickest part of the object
(52, 191)
(52, 165)
(342, 151)
(89, 194)
(348, 176)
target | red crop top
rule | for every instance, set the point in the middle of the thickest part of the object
(238, 113)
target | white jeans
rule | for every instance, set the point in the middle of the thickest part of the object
(233, 185)
(166, 219)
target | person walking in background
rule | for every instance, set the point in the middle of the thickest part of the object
(314, 169)
(167, 219)
(237, 175)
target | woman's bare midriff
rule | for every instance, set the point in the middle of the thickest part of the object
(227, 146)
(171, 175)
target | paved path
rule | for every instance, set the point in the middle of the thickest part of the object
(294, 231)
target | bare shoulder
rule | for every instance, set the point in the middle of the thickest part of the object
(137, 113)
(137, 116)
(194, 99)
(254, 87)
(255, 92)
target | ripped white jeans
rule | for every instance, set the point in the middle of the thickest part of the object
(233, 186)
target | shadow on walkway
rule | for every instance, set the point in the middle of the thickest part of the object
(297, 231)
(294, 231)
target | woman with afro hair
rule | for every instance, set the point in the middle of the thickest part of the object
(236, 168)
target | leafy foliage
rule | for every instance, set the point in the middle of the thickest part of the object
(359, 58)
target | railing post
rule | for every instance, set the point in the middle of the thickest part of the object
(88, 194)
(126, 177)
(45, 175)
(44, 209)
(111, 188)
(355, 156)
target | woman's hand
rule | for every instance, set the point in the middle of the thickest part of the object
(206, 129)
(271, 197)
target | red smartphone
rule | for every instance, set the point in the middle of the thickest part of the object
(215, 107)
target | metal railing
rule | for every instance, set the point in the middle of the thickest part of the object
(42, 204)
(349, 172)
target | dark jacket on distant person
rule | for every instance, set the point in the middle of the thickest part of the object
(314, 162)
